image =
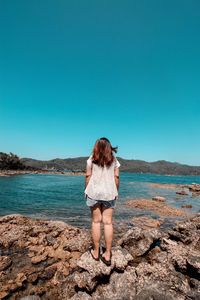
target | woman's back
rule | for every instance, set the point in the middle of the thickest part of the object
(102, 182)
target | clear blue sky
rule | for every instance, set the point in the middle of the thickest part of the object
(74, 71)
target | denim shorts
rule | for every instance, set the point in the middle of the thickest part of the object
(109, 204)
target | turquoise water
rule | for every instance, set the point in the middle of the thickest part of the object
(61, 197)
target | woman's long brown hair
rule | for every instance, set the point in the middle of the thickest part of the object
(103, 152)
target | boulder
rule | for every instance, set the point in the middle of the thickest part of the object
(194, 187)
(119, 286)
(95, 269)
(138, 241)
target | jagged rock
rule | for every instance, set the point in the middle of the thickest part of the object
(146, 264)
(95, 269)
(81, 296)
(194, 187)
(80, 244)
(187, 232)
(50, 240)
(193, 262)
(49, 272)
(34, 249)
(38, 258)
(120, 259)
(162, 277)
(159, 198)
(5, 262)
(119, 286)
(183, 247)
(155, 292)
(138, 241)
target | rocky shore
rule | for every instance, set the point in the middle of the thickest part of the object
(44, 259)
(159, 207)
(7, 173)
(194, 188)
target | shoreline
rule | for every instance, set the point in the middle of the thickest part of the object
(8, 173)
(49, 259)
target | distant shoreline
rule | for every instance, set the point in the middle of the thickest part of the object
(8, 173)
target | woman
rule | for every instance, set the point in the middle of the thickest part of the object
(101, 192)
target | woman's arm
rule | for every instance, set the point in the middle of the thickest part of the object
(87, 176)
(116, 174)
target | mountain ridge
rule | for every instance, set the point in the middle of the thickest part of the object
(127, 165)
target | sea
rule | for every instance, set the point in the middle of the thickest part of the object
(61, 197)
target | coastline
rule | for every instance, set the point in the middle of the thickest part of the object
(8, 173)
(49, 259)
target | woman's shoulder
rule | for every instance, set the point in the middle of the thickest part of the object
(116, 162)
(89, 160)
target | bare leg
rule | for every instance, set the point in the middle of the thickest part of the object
(96, 229)
(107, 214)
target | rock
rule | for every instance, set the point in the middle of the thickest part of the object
(182, 192)
(5, 262)
(81, 296)
(186, 205)
(32, 254)
(163, 278)
(187, 232)
(159, 198)
(120, 286)
(21, 277)
(38, 258)
(194, 187)
(94, 269)
(138, 241)
(145, 222)
(195, 194)
(153, 292)
(168, 186)
(50, 240)
(3, 294)
(183, 247)
(193, 262)
(49, 272)
(161, 208)
(146, 264)
(119, 260)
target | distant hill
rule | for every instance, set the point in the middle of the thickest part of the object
(127, 165)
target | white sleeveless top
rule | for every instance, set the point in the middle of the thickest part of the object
(101, 185)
